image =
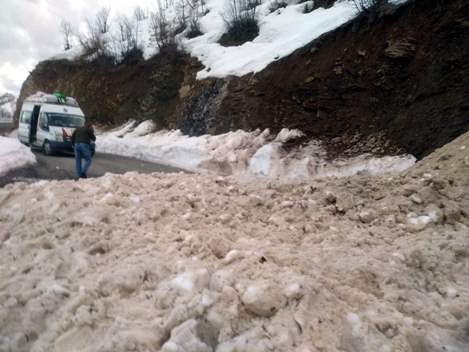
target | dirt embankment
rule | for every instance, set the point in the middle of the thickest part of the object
(398, 83)
(111, 94)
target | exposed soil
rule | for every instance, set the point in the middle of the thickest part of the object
(240, 32)
(113, 94)
(402, 78)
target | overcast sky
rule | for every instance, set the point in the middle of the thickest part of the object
(29, 32)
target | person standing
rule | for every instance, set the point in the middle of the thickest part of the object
(81, 141)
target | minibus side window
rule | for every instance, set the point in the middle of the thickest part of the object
(43, 122)
(26, 117)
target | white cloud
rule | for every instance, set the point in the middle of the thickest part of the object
(29, 32)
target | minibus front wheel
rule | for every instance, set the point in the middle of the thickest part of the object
(47, 149)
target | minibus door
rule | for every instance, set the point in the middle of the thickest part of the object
(33, 124)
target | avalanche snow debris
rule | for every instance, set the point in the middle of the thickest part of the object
(241, 153)
(97, 277)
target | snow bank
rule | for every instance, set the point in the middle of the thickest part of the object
(13, 155)
(241, 153)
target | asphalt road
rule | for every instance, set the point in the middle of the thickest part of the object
(62, 167)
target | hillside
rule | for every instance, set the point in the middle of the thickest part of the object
(377, 85)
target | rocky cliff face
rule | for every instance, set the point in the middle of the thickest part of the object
(395, 83)
(110, 94)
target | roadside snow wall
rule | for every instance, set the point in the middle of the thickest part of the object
(241, 153)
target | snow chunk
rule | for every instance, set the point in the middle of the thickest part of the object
(184, 338)
(189, 281)
(262, 299)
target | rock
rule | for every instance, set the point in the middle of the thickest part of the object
(218, 246)
(338, 70)
(262, 299)
(330, 198)
(408, 190)
(400, 50)
(452, 212)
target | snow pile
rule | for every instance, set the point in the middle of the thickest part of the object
(240, 153)
(175, 149)
(189, 262)
(13, 155)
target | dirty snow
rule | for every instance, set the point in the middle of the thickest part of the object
(206, 263)
(257, 153)
(14, 155)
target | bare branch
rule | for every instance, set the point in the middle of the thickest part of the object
(102, 19)
(66, 30)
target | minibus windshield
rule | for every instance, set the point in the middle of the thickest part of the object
(65, 120)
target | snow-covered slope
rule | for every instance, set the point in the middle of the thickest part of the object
(280, 33)
(256, 153)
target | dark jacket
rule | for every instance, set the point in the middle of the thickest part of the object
(83, 135)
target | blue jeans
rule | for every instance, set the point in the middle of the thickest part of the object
(82, 151)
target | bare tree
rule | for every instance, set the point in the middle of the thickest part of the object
(182, 14)
(368, 5)
(103, 19)
(93, 40)
(66, 30)
(197, 5)
(162, 32)
(127, 40)
(140, 14)
(240, 10)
